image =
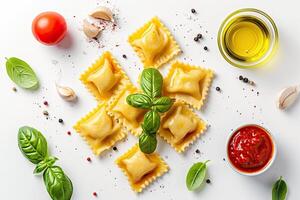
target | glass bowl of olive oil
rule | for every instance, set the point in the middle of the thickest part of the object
(248, 38)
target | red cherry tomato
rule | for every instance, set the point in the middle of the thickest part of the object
(49, 28)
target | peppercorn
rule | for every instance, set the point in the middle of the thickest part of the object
(60, 120)
(205, 48)
(14, 89)
(199, 35)
(124, 56)
(196, 39)
(193, 10)
(245, 80)
(89, 159)
(241, 77)
(69, 132)
(197, 151)
(45, 112)
(218, 89)
(46, 103)
(115, 148)
(95, 194)
(208, 181)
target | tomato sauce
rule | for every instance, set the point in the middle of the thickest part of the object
(250, 148)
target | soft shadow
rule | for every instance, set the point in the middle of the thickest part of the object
(67, 42)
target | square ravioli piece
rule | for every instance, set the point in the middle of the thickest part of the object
(131, 118)
(141, 169)
(104, 77)
(180, 126)
(154, 44)
(187, 83)
(99, 129)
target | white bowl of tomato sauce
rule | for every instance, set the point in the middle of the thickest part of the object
(251, 150)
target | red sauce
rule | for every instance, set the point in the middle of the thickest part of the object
(250, 148)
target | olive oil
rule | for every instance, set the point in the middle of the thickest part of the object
(246, 38)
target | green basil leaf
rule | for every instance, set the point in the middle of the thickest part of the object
(196, 175)
(162, 104)
(21, 73)
(151, 122)
(147, 142)
(44, 164)
(139, 101)
(32, 144)
(58, 185)
(151, 82)
(279, 190)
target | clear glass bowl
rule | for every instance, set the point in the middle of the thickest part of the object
(270, 25)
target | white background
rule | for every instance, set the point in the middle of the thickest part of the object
(224, 111)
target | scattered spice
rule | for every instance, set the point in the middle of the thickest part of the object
(60, 120)
(45, 112)
(208, 181)
(241, 78)
(197, 151)
(224, 159)
(205, 48)
(196, 39)
(218, 89)
(95, 194)
(69, 132)
(46, 103)
(124, 56)
(115, 148)
(89, 159)
(245, 80)
(14, 89)
(193, 10)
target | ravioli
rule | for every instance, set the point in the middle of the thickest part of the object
(154, 44)
(130, 117)
(141, 169)
(99, 129)
(104, 77)
(188, 83)
(180, 126)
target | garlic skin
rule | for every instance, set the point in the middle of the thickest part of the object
(66, 93)
(103, 13)
(90, 30)
(287, 97)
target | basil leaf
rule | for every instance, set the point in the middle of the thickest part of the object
(196, 175)
(162, 104)
(151, 82)
(151, 122)
(147, 142)
(44, 164)
(32, 144)
(21, 73)
(279, 190)
(139, 101)
(58, 185)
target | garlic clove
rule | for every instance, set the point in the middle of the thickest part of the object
(66, 93)
(103, 13)
(287, 97)
(90, 30)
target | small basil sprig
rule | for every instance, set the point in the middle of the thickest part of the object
(279, 190)
(151, 84)
(21, 73)
(196, 175)
(33, 146)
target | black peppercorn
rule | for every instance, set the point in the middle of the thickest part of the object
(241, 77)
(124, 56)
(61, 121)
(245, 80)
(205, 48)
(196, 39)
(199, 35)
(197, 151)
(208, 181)
(193, 10)
(115, 148)
(218, 89)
